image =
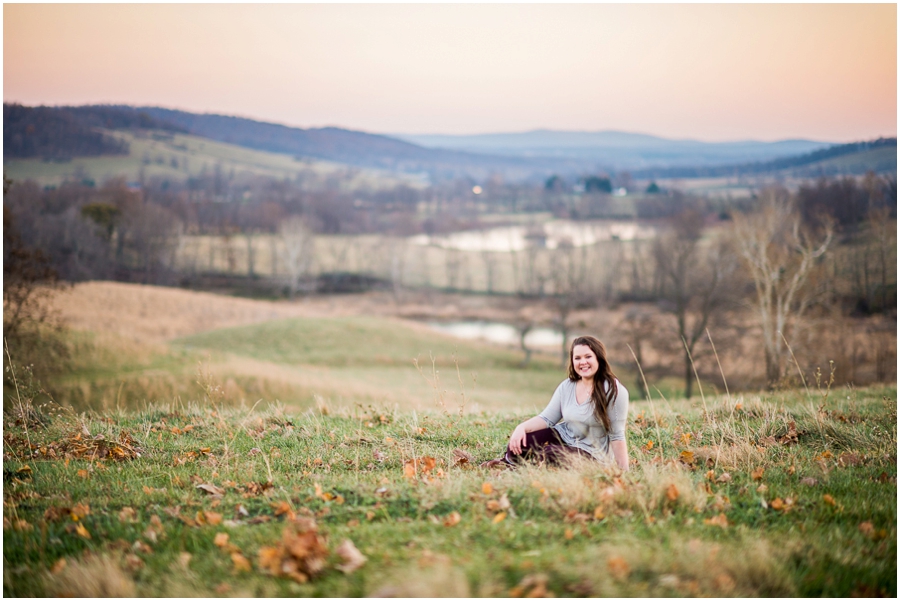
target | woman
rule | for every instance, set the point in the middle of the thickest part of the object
(586, 415)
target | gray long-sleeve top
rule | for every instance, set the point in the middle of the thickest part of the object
(576, 423)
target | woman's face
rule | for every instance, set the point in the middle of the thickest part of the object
(585, 361)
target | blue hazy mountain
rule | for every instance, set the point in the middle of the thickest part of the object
(616, 149)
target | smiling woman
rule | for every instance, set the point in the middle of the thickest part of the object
(585, 417)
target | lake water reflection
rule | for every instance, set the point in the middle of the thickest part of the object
(548, 234)
(499, 333)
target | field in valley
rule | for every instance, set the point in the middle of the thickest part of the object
(356, 473)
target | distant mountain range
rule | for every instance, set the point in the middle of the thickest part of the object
(616, 149)
(53, 133)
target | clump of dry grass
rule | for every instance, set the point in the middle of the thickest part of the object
(92, 576)
(744, 567)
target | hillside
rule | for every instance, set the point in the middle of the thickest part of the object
(179, 157)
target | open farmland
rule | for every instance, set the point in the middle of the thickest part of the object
(178, 157)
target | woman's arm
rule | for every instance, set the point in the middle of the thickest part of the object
(517, 439)
(620, 452)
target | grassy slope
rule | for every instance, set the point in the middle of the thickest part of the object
(341, 360)
(194, 156)
(655, 533)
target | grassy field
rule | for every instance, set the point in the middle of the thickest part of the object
(784, 495)
(234, 452)
(179, 157)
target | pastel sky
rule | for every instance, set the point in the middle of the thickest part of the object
(705, 71)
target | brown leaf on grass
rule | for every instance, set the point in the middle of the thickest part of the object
(867, 528)
(241, 563)
(792, 436)
(133, 563)
(777, 504)
(212, 518)
(757, 473)
(211, 489)
(353, 559)
(80, 511)
(724, 478)
(54, 514)
(809, 481)
(299, 555)
(573, 516)
(672, 492)
(221, 539)
(829, 500)
(499, 517)
(59, 566)
(569, 534)
(452, 519)
(462, 458)
(598, 513)
(141, 547)
(850, 459)
(533, 586)
(284, 508)
(720, 520)
(127, 515)
(82, 531)
(252, 489)
(154, 530)
(687, 458)
(418, 465)
(184, 559)
(83, 474)
(487, 488)
(618, 567)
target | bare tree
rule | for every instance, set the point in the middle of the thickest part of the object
(572, 286)
(779, 251)
(298, 250)
(697, 282)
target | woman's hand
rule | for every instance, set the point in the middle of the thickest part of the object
(517, 440)
(619, 449)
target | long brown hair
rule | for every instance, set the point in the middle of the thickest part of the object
(601, 398)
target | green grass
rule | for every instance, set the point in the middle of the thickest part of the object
(654, 537)
(341, 361)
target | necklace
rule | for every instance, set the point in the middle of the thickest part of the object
(586, 390)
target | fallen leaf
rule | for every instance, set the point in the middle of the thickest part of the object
(569, 534)
(777, 504)
(184, 558)
(809, 481)
(687, 457)
(241, 563)
(127, 515)
(452, 519)
(867, 528)
(83, 473)
(829, 500)
(82, 531)
(487, 488)
(757, 473)
(672, 492)
(499, 517)
(59, 566)
(618, 567)
(462, 458)
(213, 518)
(724, 478)
(720, 520)
(221, 539)
(598, 513)
(283, 508)
(80, 511)
(352, 557)
(850, 459)
(211, 489)
(762, 488)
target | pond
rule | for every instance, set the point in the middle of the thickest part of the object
(548, 235)
(499, 333)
